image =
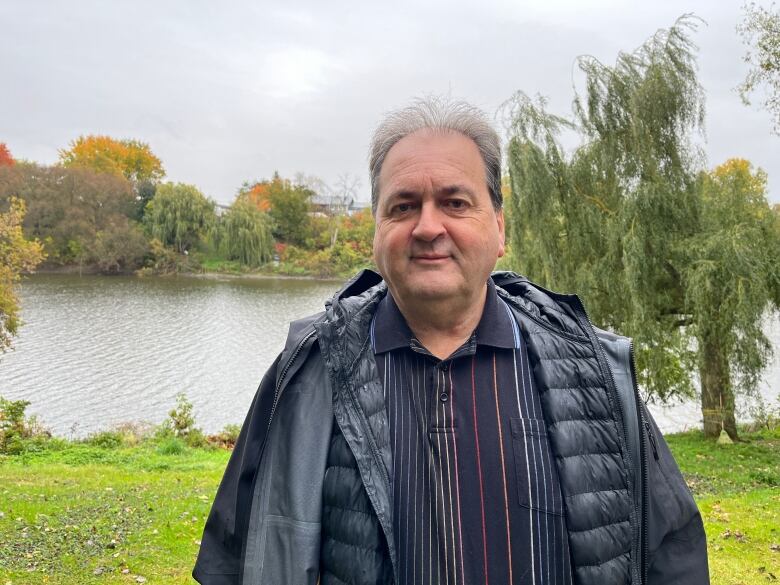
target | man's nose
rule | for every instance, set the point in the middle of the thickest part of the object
(429, 223)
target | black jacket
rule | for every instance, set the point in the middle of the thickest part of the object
(306, 492)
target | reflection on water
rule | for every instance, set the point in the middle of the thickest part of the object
(97, 351)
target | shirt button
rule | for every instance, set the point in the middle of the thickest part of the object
(444, 366)
(444, 397)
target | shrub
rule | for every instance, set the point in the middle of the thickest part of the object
(20, 433)
(226, 438)
(105, 439)
(180, 424)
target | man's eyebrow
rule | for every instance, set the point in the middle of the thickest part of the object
(455, 189)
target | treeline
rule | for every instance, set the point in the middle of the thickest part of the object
(105, 208)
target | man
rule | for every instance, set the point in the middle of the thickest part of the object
(441, 425)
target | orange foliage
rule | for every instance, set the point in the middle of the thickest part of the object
(258, 196)
(5, 156)
(130, 158)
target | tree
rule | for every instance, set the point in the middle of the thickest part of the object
(17, 255)
(245, 234)
(287, 204)
(131, 158)
(179, 215)
(67, 207)
(625, 221)
(732, 277)
(5, 156)
(760, 31)
(118, 248)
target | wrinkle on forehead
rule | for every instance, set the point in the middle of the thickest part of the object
(412, 165)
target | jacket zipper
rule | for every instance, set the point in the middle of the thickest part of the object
(278, 390)
(603, 360)
(643, 456)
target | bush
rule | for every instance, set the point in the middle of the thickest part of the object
(20, 433)
(105, 439)
(180, 424)
(162, 260)
(226, 438)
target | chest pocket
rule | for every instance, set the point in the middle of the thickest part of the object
(536, 473)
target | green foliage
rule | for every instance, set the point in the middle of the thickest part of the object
(120, 248)
(17, 254)
(180, 425)
(106, 440)
(245, 234)
(341, 246)
(227, 437)
(171, 446)
(286, 203)
(162, 261)
(18, 432)
(677, 260)
(179, 216)
(760, 32)
(67, 207)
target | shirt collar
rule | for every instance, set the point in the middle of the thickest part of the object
(497, 327)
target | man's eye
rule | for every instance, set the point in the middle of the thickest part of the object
(456, 204)
(402, 207)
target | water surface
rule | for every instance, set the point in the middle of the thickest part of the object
(96, 351)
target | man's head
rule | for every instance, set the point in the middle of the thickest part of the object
(438, 114)
(435, 172)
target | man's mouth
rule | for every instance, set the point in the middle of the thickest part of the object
(430, 258)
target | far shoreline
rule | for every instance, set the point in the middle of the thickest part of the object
(71, 270)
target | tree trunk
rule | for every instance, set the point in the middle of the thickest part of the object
(717, 397)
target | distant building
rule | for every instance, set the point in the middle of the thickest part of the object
(220, 209)
(336, 205)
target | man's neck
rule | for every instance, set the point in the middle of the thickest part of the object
(442, 326)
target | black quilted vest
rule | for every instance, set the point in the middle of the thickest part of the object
(583, 422)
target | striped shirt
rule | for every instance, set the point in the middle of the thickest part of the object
(476, 497)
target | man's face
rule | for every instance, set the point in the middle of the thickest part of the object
(438, 235)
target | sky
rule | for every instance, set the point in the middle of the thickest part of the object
(233, 91)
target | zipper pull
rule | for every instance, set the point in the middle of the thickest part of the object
(651, 436)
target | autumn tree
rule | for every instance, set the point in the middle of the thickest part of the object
(760, 31)
(286, 203)
(245, 234)
(179, 215)
(5, 156)
(67, 207)
(130, 158)
(627, 222)
(17, 255)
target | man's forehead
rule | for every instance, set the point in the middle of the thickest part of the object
(437, 157)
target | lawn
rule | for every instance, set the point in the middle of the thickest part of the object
(82, 514)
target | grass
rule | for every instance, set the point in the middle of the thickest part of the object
(86, 514)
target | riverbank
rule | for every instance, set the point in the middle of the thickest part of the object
(226, 270)
(86, 513)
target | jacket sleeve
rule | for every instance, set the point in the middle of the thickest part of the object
(677, 545)
(224, 536)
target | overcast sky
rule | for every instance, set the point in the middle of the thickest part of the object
(232, 91)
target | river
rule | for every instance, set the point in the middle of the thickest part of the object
(97, 351)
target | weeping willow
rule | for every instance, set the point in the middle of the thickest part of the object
(627, 221)
(245, 234)
(179, 215)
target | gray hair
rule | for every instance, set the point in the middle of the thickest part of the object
(438, 114)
